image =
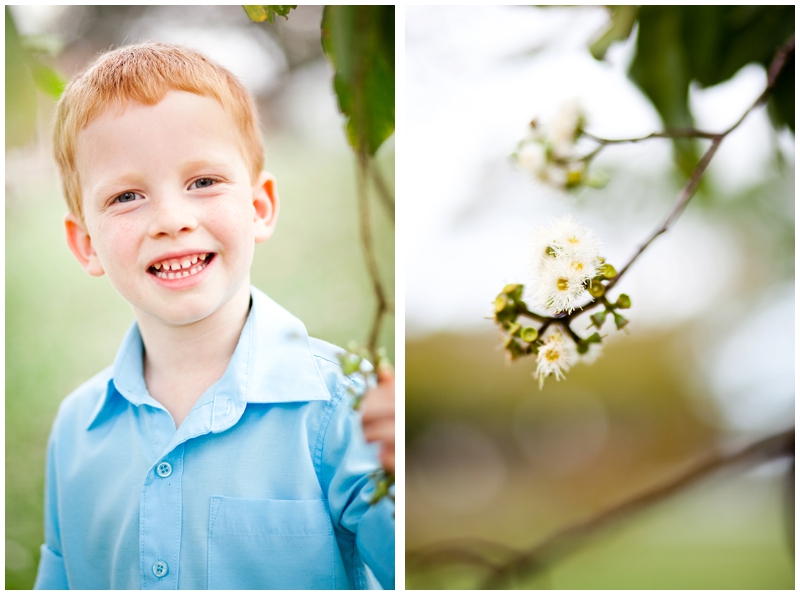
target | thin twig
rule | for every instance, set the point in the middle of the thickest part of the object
(369, 255)
(387, 199)
(567, 539)
(687, 192)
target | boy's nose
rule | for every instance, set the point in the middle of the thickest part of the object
(172, 216)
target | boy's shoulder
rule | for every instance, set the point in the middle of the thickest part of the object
(327, 357)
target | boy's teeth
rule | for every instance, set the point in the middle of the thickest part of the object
(176, 269)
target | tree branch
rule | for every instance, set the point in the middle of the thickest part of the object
(383, 189)
(565, 540)
(369, 255)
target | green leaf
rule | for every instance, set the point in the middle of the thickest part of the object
(660, 70)
(359, 41)
(781, 103)
(48, 80)
(619, 29)
(708, 44)
(259, 14)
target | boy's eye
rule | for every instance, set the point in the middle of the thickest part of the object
(127, 197)
(202, 183)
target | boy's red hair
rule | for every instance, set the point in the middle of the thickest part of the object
(145, 73)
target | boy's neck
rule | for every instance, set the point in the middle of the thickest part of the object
(182, 362)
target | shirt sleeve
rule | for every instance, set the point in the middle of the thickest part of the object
(52, 573)
(345, 467)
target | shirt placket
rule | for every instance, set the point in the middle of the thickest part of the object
(160, 517)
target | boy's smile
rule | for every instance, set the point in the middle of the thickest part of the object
(170, 212)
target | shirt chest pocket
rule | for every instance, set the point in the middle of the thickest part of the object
(271, 544)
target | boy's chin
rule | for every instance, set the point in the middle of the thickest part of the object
(187, 310)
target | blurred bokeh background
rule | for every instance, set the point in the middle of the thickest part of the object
(707, 361)
(63, 326)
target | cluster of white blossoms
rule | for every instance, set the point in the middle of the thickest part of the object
(549, 153)
(566, 257)
(556, 356)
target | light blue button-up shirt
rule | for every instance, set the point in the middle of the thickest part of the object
(265, 485)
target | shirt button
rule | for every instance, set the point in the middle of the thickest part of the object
(164, 469)
(160, 568)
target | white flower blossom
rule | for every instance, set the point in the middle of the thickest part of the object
(556, 355)
(548, 152)
(560, 285)
(565, 128)
(566, 256)
(532, 156)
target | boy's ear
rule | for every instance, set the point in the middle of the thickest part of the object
(81, 245)
(266, 205)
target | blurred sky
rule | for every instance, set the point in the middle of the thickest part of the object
(475, 77)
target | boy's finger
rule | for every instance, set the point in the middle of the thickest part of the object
(380, 431)
(387, 460)
(385, 373)
(377, 405)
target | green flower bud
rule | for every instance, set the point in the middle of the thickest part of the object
(514, 328)
(596, 289)
(623, 301)
(582, 347)
(500, 303)
(607, 271)
(599, 318)
(620, 320)
(513, 348)
(350, 363)
(594, 338)
(574, 178)
(529, 334)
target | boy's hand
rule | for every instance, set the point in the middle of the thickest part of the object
(378, 416)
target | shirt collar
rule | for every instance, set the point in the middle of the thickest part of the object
(272, 363)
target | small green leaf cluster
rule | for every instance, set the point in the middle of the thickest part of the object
(599, 318)
(508, 306)
(521, 339)
(355, 362)
(259, 14)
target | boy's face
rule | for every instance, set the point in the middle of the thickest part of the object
(170, 213)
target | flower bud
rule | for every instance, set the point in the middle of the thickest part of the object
(574, 178)
(620, 320)
(582, 347)
(599, 318)
(529, 334)
(623, 301)
(596, 289)
(593, 338)
(608, 271)
(500, 303)
(514, 328)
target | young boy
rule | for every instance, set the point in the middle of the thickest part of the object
(220, 450)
